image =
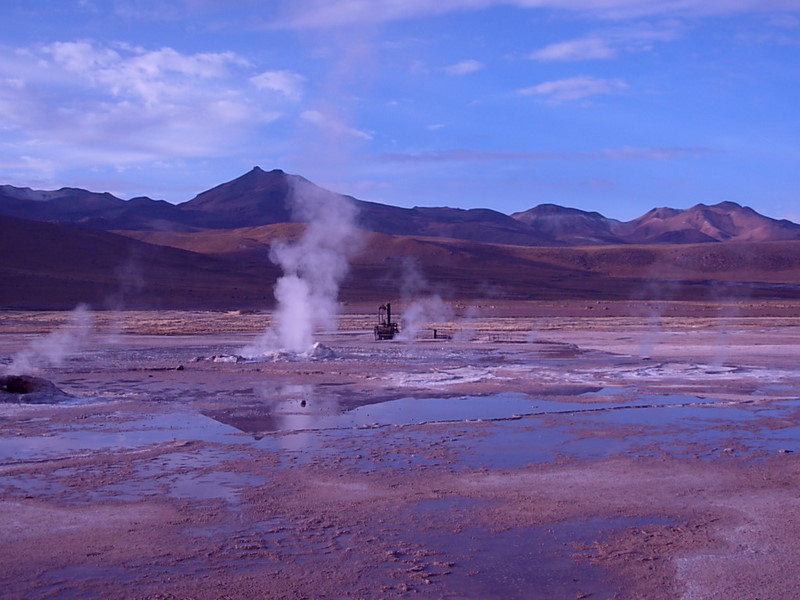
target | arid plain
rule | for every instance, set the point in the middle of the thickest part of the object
(529, 450)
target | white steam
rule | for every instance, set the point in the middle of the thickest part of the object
(422, 306)
(54, 348)
(313, 269)
(422, 312)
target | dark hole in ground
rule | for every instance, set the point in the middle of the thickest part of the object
(27, 388)
(17, 384)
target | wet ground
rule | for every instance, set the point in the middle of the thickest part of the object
(543, 458)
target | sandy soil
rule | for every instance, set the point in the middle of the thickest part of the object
(649, 452)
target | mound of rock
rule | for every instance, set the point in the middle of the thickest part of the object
(30, 390)
(320, 351)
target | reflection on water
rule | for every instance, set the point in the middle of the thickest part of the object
(288, 408)
(301, 408)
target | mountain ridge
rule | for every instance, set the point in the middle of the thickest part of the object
(261, 197)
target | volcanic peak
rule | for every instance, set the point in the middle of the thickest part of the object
(256, 198)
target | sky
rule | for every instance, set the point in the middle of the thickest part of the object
(615, 106)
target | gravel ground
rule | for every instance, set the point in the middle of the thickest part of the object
(556, 454)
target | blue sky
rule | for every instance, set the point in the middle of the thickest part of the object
(616, 106)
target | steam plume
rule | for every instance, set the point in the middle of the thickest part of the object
(53, 349)
(422, 306)
(422, 311)
(313, 268)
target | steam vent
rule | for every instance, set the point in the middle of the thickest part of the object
(30, 390)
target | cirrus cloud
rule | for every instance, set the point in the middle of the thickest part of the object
(464, 67)
(573, 88)
(332, 124)
(610, 43)
(573, 50)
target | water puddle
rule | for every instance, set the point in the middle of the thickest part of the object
(310, 413)
(698, 430)
(114, 432)
(503, 429)
(318, 414)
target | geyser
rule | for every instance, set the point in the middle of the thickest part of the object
(313, 268)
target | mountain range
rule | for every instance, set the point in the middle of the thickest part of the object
(266, 198)
(57, 247)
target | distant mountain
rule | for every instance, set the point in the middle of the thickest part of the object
(266, 197)
(89, 209)
(570, 226)
(66, 204)
(726, 221)
(260, 198)
(256, 198)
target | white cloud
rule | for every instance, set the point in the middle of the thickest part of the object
(332, 124)
(573, 88)
(152, 76)
(581, 49)
(464, 67)
(608, 43)
(81, 103)
(286, 83)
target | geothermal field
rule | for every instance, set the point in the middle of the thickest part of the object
(525, 450)
(387, 300)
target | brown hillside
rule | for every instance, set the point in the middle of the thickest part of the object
(45, 265)
(246, 241)
(459, 268)
(772, 262)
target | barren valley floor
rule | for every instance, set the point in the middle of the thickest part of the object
(556, 452)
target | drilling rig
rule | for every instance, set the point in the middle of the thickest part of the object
(385, 329)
